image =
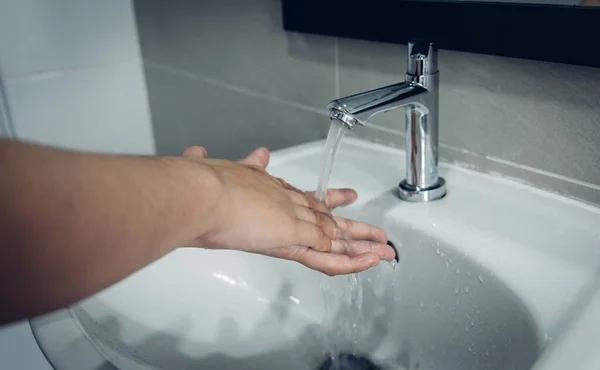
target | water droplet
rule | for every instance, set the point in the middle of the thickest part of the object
(466, 328)
(422, 304)
(457, 271)
(472, 323)
(434, 225)
(437, 251)
(456, 290)
(480, 279)
(467, 289)
(486, 354)
(467, 316)
(450, 260)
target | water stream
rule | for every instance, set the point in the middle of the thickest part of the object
(334, 138)
(343, 307)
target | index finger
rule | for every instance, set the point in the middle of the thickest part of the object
(337, 197)
(337, 264)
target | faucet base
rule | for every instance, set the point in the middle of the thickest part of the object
(418, 195)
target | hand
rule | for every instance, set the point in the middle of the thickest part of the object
(262, 214)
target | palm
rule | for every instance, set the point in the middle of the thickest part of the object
(265, 215)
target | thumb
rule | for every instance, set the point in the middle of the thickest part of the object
(195, 151)
(259, 157)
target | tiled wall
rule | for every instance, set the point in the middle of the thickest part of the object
(72, 75)
(223, 73)
(5, 126)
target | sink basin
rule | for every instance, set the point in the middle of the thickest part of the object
(497, 275)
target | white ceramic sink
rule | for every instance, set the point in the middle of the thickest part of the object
(497, 275)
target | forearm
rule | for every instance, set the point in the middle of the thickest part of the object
(72, 224)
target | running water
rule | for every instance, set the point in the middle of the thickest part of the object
(343, 320)
(334, 138)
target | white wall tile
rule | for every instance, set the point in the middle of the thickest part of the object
(103, 109)
(38, 36)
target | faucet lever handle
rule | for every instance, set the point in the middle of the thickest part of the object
(422, 58)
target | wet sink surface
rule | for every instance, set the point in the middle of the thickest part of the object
(488, 278)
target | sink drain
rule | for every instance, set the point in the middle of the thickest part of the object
(346, 361)
(389, 242)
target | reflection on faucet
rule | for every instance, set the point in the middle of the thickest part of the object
(418, 94)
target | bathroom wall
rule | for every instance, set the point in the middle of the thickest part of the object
(72, 76)
(225, 75)
(5, 127)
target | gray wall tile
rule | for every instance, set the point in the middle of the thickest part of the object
(66, 34)
(103, 109)
(530, 120)
(542, 115)
(557, 184)
(240, 42)
(228, 123)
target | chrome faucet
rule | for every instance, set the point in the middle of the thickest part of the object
(418, 94)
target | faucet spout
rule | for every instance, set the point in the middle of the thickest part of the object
(418, 95)
(359, 108)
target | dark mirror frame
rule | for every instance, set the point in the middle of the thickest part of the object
(554, 33)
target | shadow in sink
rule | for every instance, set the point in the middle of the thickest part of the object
(424, 315)
(228, 350)
(448, 313)
(199, 309)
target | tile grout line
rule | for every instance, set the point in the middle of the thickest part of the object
(501, 161)
(523, 167)
(228, 86)
(51, 73)
(249, 92)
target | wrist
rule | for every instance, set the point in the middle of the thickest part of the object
(197, 189)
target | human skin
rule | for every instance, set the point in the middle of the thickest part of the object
(72, 223)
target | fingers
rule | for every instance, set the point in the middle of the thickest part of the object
(353, 248)
(259, 157)
(357, 230)
(322, 220)
(337, 197)
(195, 151)
(301, 199)
(310, 235)
(337, 264)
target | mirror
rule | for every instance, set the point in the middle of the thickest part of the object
(541, 2)
(561, 31)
